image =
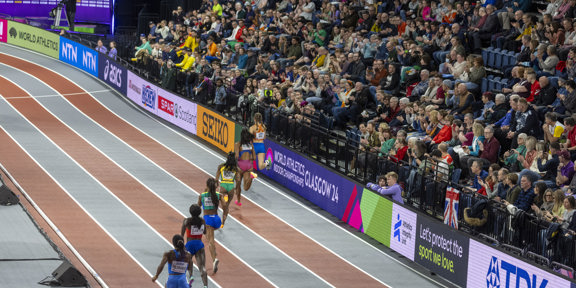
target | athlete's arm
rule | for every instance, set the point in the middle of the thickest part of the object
(160, 267)
(218, 175)
(183, 232)
(200, 200)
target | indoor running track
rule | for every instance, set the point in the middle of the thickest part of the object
(117, 183)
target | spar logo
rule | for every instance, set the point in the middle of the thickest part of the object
(148, 96)
(514, 276)
(113, 73)
(165, 105)
(397, 231)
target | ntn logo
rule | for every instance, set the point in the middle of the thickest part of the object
(89, 60)
(69, 51)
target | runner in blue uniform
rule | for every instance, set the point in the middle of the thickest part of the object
(179, 260)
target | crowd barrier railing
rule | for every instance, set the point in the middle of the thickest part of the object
(468, 256)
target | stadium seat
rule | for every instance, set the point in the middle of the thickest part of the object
(484, 86)
(492, 83)
(554, 81)
(485, 54)
(503, 83)
(456, 176)
(498, 58)
(492, 57)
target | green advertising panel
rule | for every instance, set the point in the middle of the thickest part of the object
(33, 38)
(376, 216)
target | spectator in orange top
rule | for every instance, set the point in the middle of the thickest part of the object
(445, 133)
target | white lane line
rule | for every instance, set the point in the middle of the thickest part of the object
(89, 143)
(222, 159)
(83, 169)
(169, 174)
(151, 190)
(52, 225)
(78, 203)
(193, 164)
(54, 95)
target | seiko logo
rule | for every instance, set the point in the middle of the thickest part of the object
(215, 129)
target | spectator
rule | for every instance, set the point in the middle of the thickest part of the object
(168, 75)
(565, 169)
(113, 53)
(550, 166)
(393, 189)
(552, 128)
(100, 47)
(525, 197)
(547, 205)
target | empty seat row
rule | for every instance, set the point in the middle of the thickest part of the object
(498, 59)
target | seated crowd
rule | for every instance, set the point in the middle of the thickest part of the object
(405, 75)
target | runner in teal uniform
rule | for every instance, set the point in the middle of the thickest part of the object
(209, 200)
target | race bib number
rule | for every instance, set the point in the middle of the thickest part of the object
(208, 202)
(228, 175)
(196, 231)
(260, 135)
(179, 267)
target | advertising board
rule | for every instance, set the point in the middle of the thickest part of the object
(376, 216)
(403, 231)
(488, 267)
(330, 191)
(142, 92)
(178, 111)
(112, 73)
(79, 56)
(442, 250)
(33, 38)
(3, 30)
(215, 129)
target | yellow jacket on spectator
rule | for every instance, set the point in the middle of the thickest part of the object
(527, 31)
(190, 43)
(186, 63)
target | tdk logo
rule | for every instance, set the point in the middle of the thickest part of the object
(515, 276)
(397, 226)
(148, 96)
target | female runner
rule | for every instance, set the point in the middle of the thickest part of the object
(226, 175)
(179, 260)
(246, 156)
(209, 201)
(192, 230)
(259, 132)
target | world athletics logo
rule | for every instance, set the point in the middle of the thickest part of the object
(397, 226)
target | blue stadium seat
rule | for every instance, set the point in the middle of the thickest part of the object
(485, 54)
(553, 81)
(484, 86)
(492, 83)
(498, 58)
(492, 57)
(503, 83)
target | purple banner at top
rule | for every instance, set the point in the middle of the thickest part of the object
(97, 11)
(328, 190)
